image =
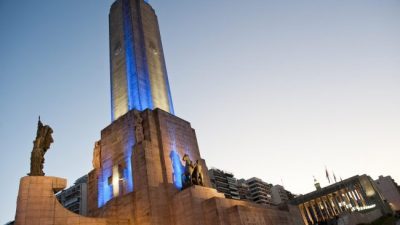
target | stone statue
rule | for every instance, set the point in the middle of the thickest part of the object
(193, 173)
(187, 175)
(139, 135)
(40, 146)
(197, 176)
(96, 162)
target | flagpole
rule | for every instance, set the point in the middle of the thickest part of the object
(327, 175)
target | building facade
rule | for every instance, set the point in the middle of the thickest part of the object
(253, 190)
(75, 197)
(355, 194)
(224, 182)
(138, 72)
(243, 189)
(390, 191)
(260, 191)
(279, 194)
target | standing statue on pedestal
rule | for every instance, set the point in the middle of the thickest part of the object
(193, 173)
(40, 146)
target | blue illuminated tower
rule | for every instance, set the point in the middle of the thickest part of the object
(142, 163)
(138, 72)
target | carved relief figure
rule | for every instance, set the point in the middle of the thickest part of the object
(96, 162)
(40, 146)
(139, 135)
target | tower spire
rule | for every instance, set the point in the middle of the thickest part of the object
(138, 72)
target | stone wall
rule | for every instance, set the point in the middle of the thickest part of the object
(149, 157)
(37, 205)
(197, 205)
(205, 206)
(147, 149)
(360, 218)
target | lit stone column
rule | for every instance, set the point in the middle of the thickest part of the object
(331, 205)
(335, 205)
(328, 209)
(322, 208)
(308, 213)
(359, 193)
(348, 195)
(342, 200)
(314, 211)
(348, 200)
(354, 197)
(318, 203)
(301, 207)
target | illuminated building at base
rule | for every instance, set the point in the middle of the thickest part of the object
(354, 194)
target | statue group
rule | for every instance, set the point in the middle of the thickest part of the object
(193, 173)
(40, 146)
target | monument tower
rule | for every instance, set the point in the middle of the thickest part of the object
(147, 167)
(139, 158)
(137, 66)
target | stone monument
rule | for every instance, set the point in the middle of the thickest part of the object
(143, 173)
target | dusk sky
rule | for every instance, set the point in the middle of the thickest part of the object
(275, 89)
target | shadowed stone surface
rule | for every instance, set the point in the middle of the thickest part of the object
(156, 199)
(37, 205)
(137, 180)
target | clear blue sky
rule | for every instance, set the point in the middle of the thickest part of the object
(274, 89)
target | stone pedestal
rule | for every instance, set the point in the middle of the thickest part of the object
(37, 205)
(205, 206)
(187, 204)
(137, 180)
(144, 151)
